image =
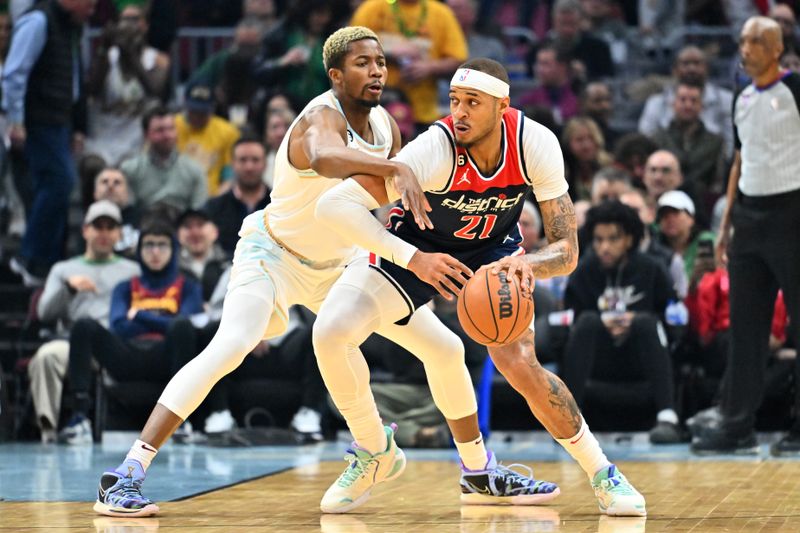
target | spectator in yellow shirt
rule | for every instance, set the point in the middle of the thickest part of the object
(423, 40)
(206, 138)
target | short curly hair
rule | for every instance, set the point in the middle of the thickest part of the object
(336, 46)
(615, 212)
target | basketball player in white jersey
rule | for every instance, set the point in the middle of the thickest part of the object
(285, 258)
(476, 166)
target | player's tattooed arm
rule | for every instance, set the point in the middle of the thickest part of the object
(560, 256)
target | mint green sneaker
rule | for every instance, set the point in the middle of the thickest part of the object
(353, 487)
(615, 495)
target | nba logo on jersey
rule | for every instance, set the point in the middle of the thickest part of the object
(464, 75)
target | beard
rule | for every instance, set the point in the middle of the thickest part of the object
(367, 104)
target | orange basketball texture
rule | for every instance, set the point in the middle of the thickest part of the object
(492, 310)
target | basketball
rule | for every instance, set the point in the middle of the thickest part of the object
(492, 310)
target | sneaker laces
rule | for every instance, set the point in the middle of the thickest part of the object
(617, 485)
(515, 481)
(356, 469)
(130, 488)
(515, 476)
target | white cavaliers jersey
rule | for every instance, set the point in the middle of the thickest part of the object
(295, 192)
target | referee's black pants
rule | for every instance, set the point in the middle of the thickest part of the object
(764, 256)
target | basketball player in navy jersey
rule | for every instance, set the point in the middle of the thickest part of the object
(476, 166)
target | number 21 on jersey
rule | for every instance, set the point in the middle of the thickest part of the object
(470, 230)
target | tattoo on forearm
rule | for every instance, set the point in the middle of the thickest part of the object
(560, 256)
(561, 399)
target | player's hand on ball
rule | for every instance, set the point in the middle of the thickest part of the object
(441, 271)
(412, 196)
(516, 266)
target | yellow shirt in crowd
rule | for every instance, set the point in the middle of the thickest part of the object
(437, 35)
(211, 147)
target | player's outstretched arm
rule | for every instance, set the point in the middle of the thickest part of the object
(560, 256)
(346, 209)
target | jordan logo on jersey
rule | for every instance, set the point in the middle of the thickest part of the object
(464, 178)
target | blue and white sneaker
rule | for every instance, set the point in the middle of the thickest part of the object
(500, 485)
(365, 470)
(77, 431)
(120, 494)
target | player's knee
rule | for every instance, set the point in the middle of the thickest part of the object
(514, 359)
(449, 352)
(230, 347)
(332, 330)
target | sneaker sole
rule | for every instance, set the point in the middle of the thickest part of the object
(396, 473)
(107, 510)
(523, 499)
(623, 510)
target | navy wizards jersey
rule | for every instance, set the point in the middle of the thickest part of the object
(473, 211)
(474, 216)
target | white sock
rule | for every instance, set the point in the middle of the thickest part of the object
(142, 452)
(667, 415)
(584, 448)
(473, 453)
(374, 442)
(366, 426)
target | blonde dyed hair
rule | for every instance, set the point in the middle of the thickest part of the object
(335, 47)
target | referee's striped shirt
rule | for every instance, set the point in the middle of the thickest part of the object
(767, 132)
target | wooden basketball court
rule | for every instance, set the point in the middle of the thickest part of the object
(743, 496)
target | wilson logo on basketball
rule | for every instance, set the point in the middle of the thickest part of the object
(479, 205)
(504, 296)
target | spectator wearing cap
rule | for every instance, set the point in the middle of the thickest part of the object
(205, 137)
(150, 336)
(77, 288)
(201, 257)
(112, 184)
(161, 175)
(247, 194)
(677, 230)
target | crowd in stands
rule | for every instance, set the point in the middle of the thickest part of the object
(164, 163)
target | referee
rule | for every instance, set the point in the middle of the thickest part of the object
(760, 234)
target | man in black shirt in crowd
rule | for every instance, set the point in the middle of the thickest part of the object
(248, 193)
